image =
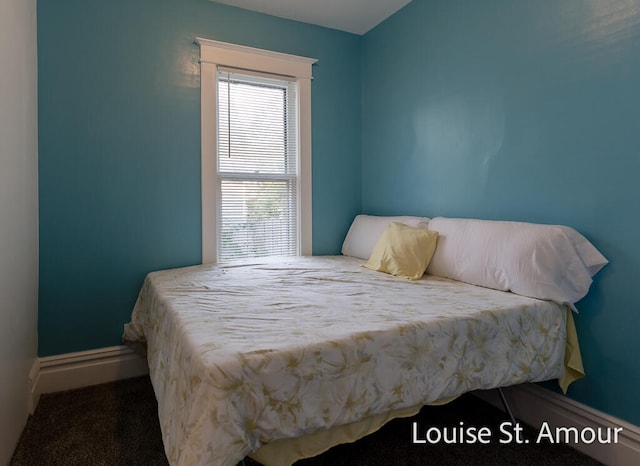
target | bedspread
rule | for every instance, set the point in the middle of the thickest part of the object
(244, 354)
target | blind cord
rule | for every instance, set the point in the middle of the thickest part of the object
(229, 114)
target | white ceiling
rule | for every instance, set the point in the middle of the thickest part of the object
(356, 16)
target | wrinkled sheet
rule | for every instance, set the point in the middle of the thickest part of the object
(244, 354)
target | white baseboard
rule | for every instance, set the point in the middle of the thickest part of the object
(82, 369)
(535, 405)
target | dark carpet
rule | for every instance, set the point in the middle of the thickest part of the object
(117, 424)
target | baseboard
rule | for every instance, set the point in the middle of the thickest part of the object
(82, 369)
(535, 405)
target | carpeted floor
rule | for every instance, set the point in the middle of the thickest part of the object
(117, 424)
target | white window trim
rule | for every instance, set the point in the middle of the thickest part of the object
(213, 54)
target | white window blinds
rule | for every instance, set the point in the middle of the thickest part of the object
(257, 158)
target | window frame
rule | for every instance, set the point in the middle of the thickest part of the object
(214, 54)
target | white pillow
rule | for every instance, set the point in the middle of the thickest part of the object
(590, 256)
(549, 262)
(367, 229)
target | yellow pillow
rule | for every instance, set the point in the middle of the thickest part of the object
(403, 251)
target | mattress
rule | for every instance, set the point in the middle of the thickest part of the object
(250, 353)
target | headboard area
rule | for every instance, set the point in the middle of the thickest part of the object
(550, 262)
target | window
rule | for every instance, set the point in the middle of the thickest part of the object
(257, 166)
(256, 152)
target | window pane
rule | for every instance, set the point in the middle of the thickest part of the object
(253, 128)
(257, 219)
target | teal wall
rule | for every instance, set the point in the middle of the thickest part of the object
(521, 110)
(506, 109)
(119, 142)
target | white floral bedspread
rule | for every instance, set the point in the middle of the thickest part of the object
(243, 354)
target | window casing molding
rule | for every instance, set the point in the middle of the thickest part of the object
(214, 54)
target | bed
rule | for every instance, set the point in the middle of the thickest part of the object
(282, 358)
